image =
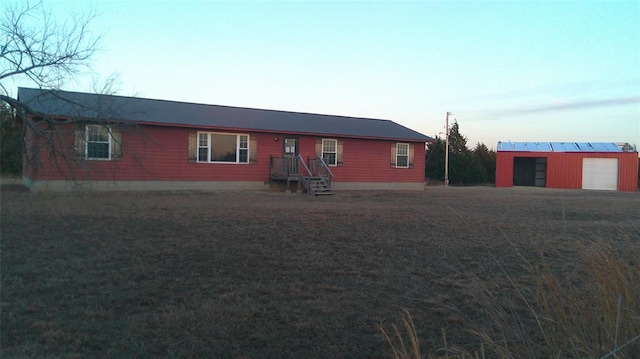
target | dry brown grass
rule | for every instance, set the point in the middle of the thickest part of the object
(271, 275)
(598, 311)
(592, 312)
(593, 315)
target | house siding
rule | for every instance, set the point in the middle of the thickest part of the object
(370, 161)
(157, 153)
(160, 154)
(564, 169)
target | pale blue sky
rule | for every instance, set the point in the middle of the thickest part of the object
(519, 71)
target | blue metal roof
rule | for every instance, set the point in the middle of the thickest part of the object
(559, 146)
(171, 113)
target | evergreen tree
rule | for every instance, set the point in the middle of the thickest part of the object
(463, 168)
(487, 160)
(457, 142)
(466, 167)
(435, 160)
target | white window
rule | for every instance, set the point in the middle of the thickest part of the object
(203, 147)
(402, 155)
(223, 147)
(98, 142)
(330, 151)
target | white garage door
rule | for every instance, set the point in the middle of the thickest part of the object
(600, 173)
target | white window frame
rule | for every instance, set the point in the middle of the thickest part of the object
(239, 143)
(398, 154)
(86, 143)
(335, 152)
(206, 137)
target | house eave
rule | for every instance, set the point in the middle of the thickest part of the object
(240, 129)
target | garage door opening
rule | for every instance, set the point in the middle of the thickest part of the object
(530, 171)
(600, 174)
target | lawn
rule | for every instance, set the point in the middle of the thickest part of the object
(276, 275)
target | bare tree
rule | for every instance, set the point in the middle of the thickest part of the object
(46, 51)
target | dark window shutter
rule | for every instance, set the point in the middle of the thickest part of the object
(79, 140)
(411, 155)
(340, 149)
(393, 155)
(319, 148)
(116, 144)
(253, 149)
(193, 146)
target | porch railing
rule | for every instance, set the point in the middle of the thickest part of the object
(285, 167)
(292, 168)
(319, 168)
(304, 176)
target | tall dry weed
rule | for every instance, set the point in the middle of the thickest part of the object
(597, 313)
(591, 313)
(403, 341)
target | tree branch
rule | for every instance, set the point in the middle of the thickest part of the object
(44, 51)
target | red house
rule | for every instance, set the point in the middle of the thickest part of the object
(578, 165)
(126, 143)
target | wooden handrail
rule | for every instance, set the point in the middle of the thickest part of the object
(325, 165)
(313, 174)
(305, 166)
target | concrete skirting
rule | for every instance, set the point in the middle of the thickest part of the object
(11, 180)
(375, 186)
(65, 186)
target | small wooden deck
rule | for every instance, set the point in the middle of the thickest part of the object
(314, 175)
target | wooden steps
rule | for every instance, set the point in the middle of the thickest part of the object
(317, 186)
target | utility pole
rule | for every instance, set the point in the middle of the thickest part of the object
(446, 152)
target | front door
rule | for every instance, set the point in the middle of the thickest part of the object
(290, 153)
(290, 147)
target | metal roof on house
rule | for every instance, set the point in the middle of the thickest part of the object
(559, 146)
(170, 113)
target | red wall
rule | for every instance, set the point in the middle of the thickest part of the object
(369, 161)
(160, 153)
(564, 169)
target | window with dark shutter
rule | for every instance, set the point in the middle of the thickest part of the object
(411, 155)
(213, 147)
(116, 144)
(253, 149)
(98, 140)
(79, 140)
(193, 147)
(393, 155)
(402, 155)
(340, 155)
(330, 151)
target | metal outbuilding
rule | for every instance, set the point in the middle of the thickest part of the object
(579, 165)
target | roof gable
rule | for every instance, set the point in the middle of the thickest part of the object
(171, 113)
